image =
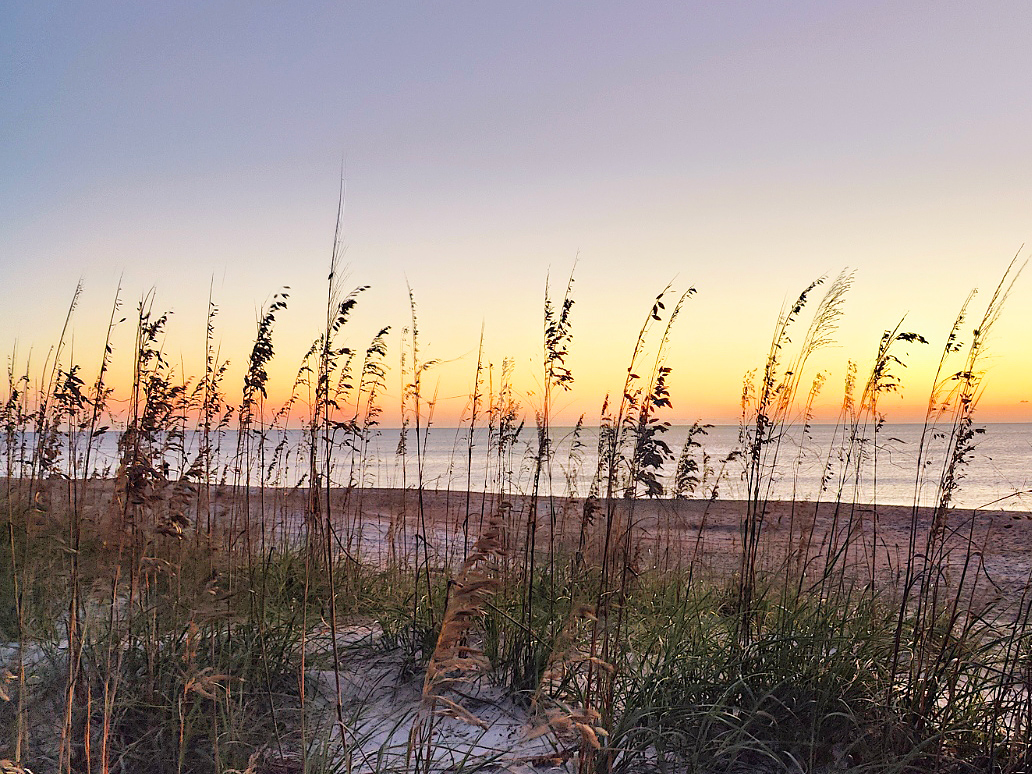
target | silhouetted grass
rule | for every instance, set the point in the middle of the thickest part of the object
(197, 608)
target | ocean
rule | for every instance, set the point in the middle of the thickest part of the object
(996, 474)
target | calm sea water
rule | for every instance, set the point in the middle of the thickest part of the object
(998, 473)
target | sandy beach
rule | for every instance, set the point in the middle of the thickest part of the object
(377, 526)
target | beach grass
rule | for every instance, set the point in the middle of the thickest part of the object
(215, 602)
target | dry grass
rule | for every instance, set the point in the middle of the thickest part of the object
(167, 616)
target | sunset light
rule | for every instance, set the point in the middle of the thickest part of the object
(581, 387)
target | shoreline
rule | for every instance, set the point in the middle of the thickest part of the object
(379, 525)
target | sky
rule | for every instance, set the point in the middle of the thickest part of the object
(486, 148)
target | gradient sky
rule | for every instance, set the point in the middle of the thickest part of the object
(741, 148)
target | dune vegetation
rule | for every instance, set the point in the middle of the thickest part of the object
(237, 594)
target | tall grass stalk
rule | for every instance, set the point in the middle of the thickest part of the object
(556, 376)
